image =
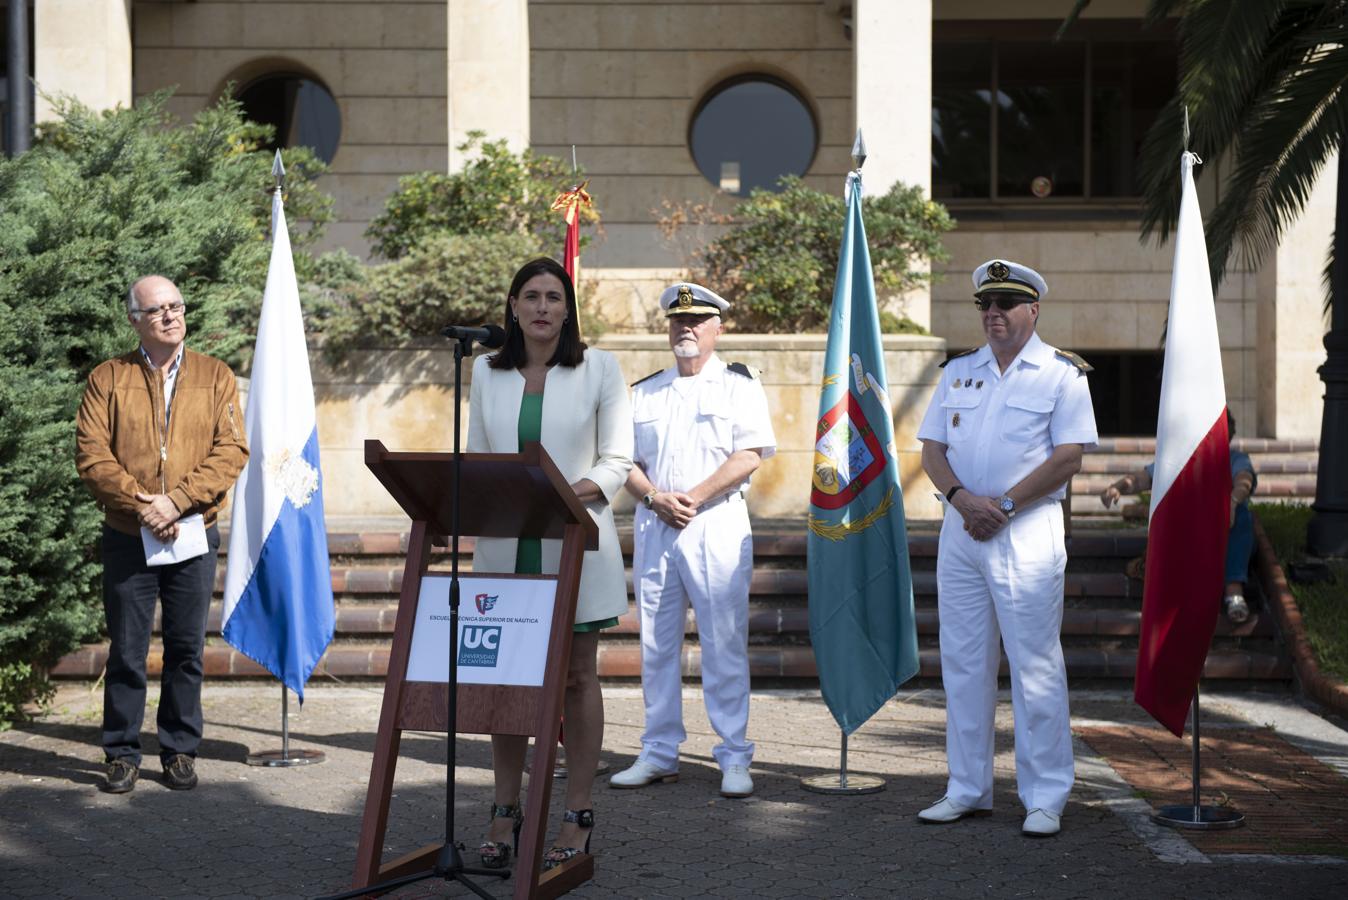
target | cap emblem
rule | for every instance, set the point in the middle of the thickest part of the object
(999, 271)
(685, 297)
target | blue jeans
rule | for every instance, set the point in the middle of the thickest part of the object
(130, 589)
(1240, 545)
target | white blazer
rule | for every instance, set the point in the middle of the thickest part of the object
(587, 430)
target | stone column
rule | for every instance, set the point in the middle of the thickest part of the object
(82, 48)
(891, 102)
(1289, 342)
(488, 58)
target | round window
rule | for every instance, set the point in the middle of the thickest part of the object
(749, 132)
(303, 112)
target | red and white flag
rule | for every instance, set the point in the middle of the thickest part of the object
(1191, 485)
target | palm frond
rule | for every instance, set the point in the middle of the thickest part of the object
(1288, 134)
(1078, 8)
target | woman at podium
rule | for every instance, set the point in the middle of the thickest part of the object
(546, 385)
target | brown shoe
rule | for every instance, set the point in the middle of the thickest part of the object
(180, 772)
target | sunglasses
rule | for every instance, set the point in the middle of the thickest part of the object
(1004, 302)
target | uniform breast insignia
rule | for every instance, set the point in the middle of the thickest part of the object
(742, 369)
(968, 381)
(957, 356)
(956, 383)
(978, 385)
(1082, 366)
(647, 378)
(955, 421)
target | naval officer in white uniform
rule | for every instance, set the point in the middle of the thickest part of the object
(1002, 437)
(702, 427)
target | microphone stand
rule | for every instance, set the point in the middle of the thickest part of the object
(449, 863)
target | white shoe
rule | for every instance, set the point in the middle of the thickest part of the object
(640, 774)
(947, 810)
(1236, 609)
(735, 782)
(1041, 823)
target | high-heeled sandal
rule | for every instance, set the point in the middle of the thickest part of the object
(558, 855)
(496, 854)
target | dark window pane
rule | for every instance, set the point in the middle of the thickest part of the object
(1040, 120)
(961, 146)
(750, 134)
(301, 110)
(1130, 82)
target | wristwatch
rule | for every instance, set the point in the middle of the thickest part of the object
(649, 499)
(1007, 506)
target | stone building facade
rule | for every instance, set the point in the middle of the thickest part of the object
(624, 81)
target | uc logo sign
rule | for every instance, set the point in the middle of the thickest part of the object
(480, 646)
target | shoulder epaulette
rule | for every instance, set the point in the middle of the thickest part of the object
(1081, 364)
(742, 369)
(647, 378)
(958, 355)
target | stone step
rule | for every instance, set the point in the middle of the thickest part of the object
(772, 542)
(375, 621)
(1117, 466)
(1249, 445)
(371, 583)
(622, 660)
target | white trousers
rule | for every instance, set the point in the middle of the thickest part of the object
(1012, 583)
(709, 564)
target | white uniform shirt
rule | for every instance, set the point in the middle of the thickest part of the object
(1001, 426)
(685, 428)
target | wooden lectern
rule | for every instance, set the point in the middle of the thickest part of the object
(504, 495)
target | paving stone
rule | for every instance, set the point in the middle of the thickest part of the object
(250, 832)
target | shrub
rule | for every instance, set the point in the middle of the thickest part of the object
(101, 199)
(777, 262)
(447, 278)
(497, 192)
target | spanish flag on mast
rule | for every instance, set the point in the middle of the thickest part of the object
(570, 203)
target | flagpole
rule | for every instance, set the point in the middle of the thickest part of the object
(842, 782)
(285, 757)
(1195, 815)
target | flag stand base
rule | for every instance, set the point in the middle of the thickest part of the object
(841, 782)
(285, 757)
(1198, 818)
(1195, 816)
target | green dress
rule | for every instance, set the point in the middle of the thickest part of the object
(529, 555)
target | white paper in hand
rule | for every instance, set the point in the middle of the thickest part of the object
(190, 543)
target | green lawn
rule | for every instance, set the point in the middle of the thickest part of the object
(1324, 606)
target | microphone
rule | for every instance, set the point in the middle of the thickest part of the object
(489, 336)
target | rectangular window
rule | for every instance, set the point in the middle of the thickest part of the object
(1069, 116)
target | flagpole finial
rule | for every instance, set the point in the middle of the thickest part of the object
(858, 151)
(278, 171)
(1186, 128)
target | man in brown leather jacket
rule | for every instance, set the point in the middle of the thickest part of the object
(159, 441)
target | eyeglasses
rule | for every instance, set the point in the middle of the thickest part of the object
(1004, 302)
(173, 309)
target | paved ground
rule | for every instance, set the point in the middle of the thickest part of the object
(249, 832)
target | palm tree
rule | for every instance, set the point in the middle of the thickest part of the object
(1265, 83)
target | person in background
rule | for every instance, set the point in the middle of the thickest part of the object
(1240, 540)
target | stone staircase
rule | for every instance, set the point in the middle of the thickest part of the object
(1099, 627)
(1286, 470)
